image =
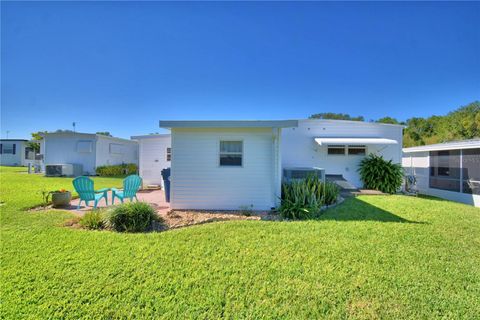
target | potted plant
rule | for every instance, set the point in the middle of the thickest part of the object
(60, 198)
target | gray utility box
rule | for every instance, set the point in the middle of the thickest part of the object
(295, 173)
(63, 170)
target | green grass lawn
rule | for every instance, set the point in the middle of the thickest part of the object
(371, 257)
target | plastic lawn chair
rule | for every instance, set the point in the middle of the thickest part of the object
(131, 185)
(84, 187)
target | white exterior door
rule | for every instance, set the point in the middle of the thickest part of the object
(153, 159)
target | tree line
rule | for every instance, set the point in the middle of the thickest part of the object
(460, 124)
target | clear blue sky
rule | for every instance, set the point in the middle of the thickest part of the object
(121, 67)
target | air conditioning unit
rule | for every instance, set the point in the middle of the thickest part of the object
(296, 173)
(67, 170)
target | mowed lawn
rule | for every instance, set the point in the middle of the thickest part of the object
(372, 257)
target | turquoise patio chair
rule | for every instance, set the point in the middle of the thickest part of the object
(131, 185)
(84, 187)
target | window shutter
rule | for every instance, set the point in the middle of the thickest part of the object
(14, 147)
(1, 148)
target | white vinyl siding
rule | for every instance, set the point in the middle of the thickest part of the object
(299, 148)
(198, 182)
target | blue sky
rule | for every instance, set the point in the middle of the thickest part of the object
(121, 67)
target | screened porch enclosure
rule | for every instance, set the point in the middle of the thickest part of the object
(455, 170)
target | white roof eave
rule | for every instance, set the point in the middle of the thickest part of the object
(354, 141)
(228, 124)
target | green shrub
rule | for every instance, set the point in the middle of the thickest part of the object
(132, 217)
(117, 170)
(93, 220)
(379, 174)
(303, 199)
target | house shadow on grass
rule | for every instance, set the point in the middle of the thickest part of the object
(354, 209)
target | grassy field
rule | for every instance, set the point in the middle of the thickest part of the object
(372, 257)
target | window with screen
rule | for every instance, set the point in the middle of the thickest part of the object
(84, 146)
(8, 148)
(336, 150)
(445, 170)
(471, 171)
(116, 148)
(231, 153)
(169, 154)
(29, 153)
(357, 150)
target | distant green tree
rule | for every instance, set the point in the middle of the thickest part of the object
(336, 116)
(104, 133)
(460, 124)
(388, 120)
(34, 144)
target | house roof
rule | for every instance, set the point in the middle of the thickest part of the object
(151, 136)
(86, 135)
(453, 145)
(14, 140)
(228, 123)
(348, 122)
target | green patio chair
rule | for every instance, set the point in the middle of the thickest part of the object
(84, 187)
(131, 185)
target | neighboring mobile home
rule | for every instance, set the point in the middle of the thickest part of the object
(87, 150)
(154, 156)
(16, 152)
(446, 170)
(233, 164)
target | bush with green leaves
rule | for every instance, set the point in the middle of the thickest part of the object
(93, 220)
(117, 170)
(304, 198)
(380, 174)
(132, 217)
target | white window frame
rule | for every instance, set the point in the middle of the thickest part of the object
(220, 153)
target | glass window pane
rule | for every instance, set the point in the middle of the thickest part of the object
(231, 146)
(357, 150)
(334, 149)
(7, 148)
(169, 154)
(230, 160)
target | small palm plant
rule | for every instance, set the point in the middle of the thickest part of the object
(380, 174)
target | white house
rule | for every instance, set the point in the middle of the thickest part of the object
(16, 152)
(226, 164)
(233, 164)
(154, 156)
(88, 150)
(338, 146)
(446, 170)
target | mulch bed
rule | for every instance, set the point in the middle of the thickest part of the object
(179, 219)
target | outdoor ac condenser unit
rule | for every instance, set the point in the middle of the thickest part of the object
(302, 173)
(67, 169)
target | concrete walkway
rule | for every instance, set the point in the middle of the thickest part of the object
(154, 197)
